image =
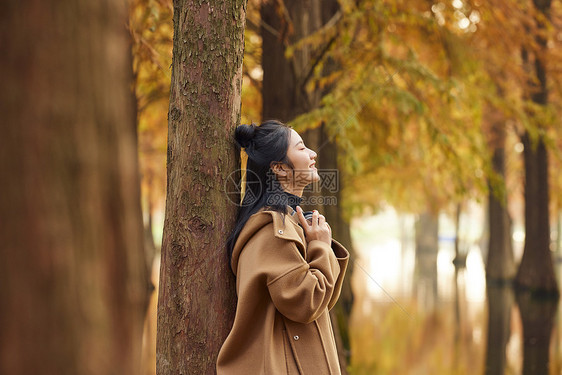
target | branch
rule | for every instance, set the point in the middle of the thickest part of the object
(320, 57)
(256, 26)
(331, 23)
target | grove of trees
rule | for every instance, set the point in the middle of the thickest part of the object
(118, 113)
(420, 106)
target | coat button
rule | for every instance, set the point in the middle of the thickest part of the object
(280, 231)
(296, 338)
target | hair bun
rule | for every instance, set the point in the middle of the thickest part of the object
(244, 134)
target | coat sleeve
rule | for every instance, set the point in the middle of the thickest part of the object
(302, 289)
(342, 256)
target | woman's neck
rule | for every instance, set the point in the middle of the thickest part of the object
(295, 190)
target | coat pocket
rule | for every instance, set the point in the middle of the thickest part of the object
(309, 346)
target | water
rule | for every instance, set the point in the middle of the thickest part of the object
(439, 324)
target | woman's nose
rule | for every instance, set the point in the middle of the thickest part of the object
(313, 155)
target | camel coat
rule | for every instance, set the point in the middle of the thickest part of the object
(285, 289)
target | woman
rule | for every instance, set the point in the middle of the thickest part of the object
(289, 271)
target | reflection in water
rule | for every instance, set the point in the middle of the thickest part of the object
(500, 303)
(393, 334)
(537, 315)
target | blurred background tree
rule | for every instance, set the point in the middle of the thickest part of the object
(74, 284)
(423, 107)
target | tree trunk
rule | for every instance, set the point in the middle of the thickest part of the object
(285, 98)
(536, 271)
(197, 296)
(500, 266)
(425, 268)
(284, 94)
(459, 261)
(73, 278)
(148, 360)
(332, 187)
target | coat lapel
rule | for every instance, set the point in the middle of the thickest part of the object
(291, 230)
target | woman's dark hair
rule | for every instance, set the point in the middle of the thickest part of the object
(264, 144)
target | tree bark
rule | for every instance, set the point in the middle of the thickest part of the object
(197, 290)
(536, 271)
(73, 278)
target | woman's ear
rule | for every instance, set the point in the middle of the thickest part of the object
(278, 168)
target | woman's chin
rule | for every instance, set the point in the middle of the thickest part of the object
(315, 176)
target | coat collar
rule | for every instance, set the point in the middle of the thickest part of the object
(290, 230)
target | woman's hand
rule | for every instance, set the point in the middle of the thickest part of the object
(318, 229)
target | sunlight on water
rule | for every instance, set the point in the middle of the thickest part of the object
(386, 250)
(387, 270)
(475, 276)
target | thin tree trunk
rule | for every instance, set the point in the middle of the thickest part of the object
(149, 333)
(197, 297)
(500, 266)
(425, 268)
(460, 263)
(73, 279)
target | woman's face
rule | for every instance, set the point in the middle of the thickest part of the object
(303, 160)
